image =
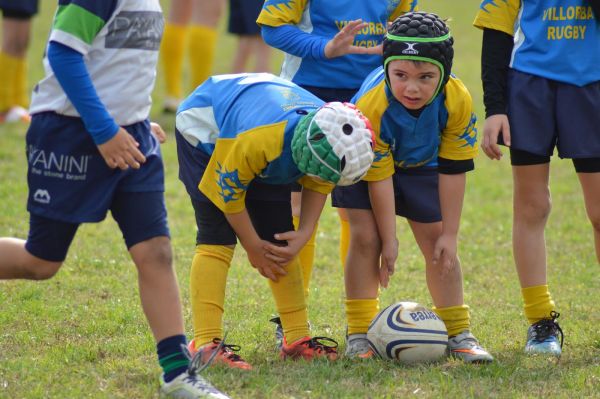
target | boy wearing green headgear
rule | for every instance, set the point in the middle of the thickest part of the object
(426, 140)
(242, 140)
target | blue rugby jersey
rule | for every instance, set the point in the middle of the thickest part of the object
(554, 39)
(246, 122)
(324, 19)
(446, 127)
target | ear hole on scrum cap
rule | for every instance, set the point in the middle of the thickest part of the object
(347, 129)
(342, 164)
(317, 137)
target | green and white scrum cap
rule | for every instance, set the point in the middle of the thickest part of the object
(420, 36)
(334, 143)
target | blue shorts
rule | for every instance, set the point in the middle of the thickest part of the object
(415, 190)
(140, 216)
(67, 177)
(243, 15)
(544, 114)
(267, 204)
(20, 9)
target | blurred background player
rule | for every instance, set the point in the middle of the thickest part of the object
(191, 25)
(330, 47)
(16, 30)
(237, 166)
(242, 23)
(109, 160)
(426, 140)
(541, 92)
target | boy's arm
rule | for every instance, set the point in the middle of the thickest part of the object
(381, 194)
(495, 59)
(290, 39)
(242, 225)
(452, 192)
(311, 207)
(596, 7)
(117, 147)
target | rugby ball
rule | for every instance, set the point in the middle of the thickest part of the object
(409, 333)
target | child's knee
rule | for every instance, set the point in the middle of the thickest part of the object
(533, 208)
(39, 269)
(156, 251)
(365, 240)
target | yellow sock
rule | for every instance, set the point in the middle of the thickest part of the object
(306, 257)
(289, 301)
(360, 313)
(20, 95)
(8, 70)
(344, 241)
(201, 51)
(172, 52)
(456, 318)
(538, 303)
(207, 288)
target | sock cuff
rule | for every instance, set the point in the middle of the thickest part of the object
(220, 252)
(202, 30)
(535, 290)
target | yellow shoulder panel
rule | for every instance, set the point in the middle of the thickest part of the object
(459, 137)
(235, 162)
(498, 15)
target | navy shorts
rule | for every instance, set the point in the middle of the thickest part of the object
(243, 15)
(545, 114)
(67, 177)
(19, 9)
(267, 204)
(416, 195)
(140, 216)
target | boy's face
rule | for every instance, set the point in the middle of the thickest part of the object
(413, 83)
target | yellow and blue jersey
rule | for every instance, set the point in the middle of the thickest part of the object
(446, 127)
(554, 39)
(324, 19)
(245, 124)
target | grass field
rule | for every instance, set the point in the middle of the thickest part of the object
(83, 334)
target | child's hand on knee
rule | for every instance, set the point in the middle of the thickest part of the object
(445, 253)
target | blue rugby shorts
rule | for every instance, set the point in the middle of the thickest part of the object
(545, 114)
(67, 177)
(416, 195)
(268, 205)
(19, 9)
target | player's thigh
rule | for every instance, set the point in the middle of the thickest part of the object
(207, 12)
(141, 216)
(49, 240)
(363, 228)
(531, 187)
(590, 184)
(181, 11)
(426, 235)
(270, 210)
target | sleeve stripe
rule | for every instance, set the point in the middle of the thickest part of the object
(78, 22)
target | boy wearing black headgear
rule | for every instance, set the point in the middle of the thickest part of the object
(426, 140)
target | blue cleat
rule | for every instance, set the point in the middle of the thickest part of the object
(542, 337)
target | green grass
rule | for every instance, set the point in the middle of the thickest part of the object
(83, 334)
